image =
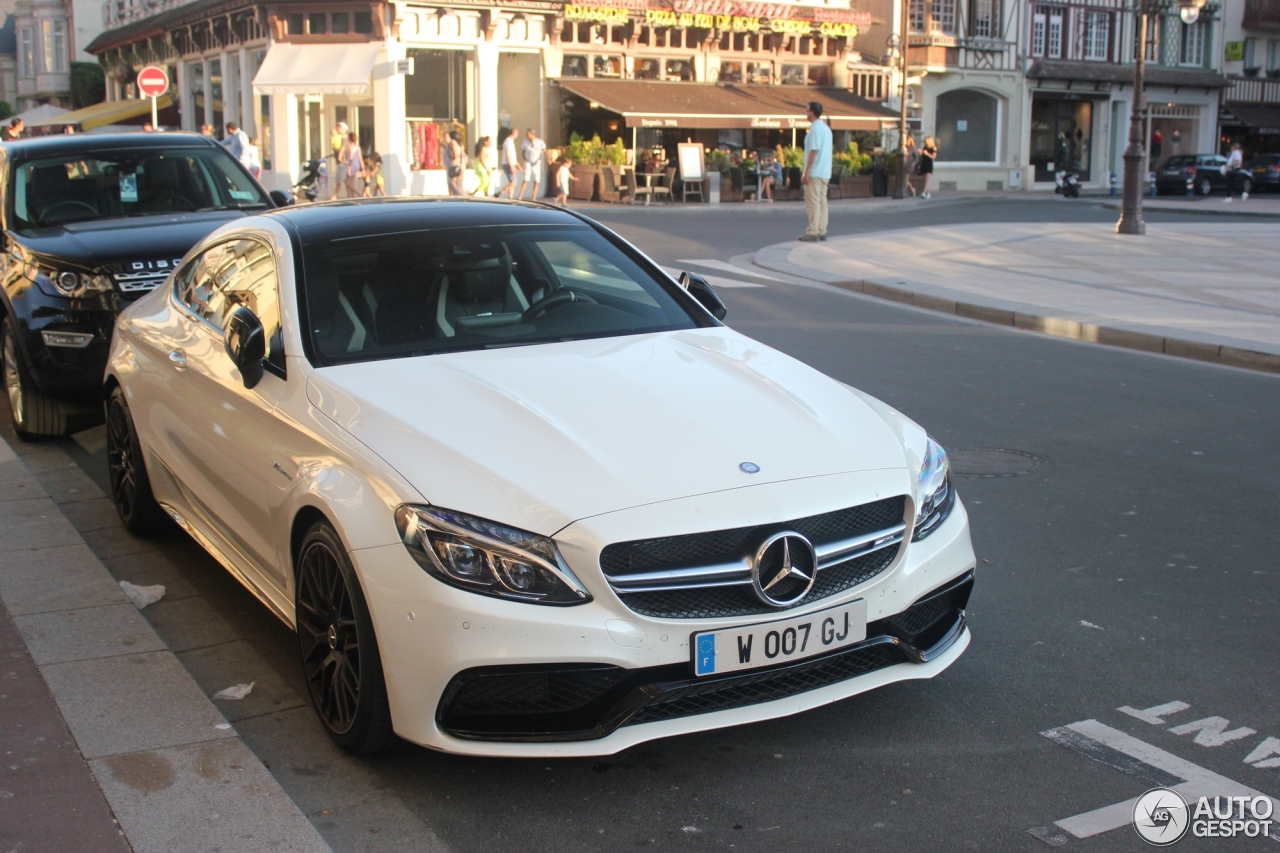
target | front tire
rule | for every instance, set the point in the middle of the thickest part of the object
(1204, 187)
(34, 414)
(340, 659)
(127, 471)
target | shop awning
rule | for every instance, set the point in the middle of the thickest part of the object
(105, 113)
(1256, 117)
(36, 116)
(316, 69)
(648, 103)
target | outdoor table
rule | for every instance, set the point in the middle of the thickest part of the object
(648, 182)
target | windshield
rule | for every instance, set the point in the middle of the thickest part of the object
(76, 188)
(426, 292)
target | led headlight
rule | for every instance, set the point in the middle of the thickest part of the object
(488, 558)
(72, 285)
(934, 495)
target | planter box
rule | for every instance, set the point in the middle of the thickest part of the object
(856, 186)
(584, 189)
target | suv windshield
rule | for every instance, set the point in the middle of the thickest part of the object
(418, 293)
(76, 188)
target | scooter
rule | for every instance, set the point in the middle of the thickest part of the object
(311, 174)
(1067, 182)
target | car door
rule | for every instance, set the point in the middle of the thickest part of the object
(219, 433)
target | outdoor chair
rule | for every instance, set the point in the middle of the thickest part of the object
(634, 189)
(751, 184)
(837, 171)
(665, 189)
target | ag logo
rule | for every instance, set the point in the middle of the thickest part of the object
(1161, 817)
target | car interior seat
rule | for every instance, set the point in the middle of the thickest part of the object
(160, 186)
(477, 292)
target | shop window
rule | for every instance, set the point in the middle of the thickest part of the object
(340, 22)
(574, 65)
(364, 22)
(607, 66)
(648, 69)
(296, 25)
(1192, 52)
(730, 72)
(1097, 35)
(819, 75)
(679, 69)
(1061, 135)
(318, 23)
(944, 17)
(984, 19)
(792, 75)
(760, 73)
(437, 88)
(966, 126)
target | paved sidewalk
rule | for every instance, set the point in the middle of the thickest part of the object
(171, 769)
(1204, 291)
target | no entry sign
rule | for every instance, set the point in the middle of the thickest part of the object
(153, 81)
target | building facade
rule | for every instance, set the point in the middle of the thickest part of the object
(1251, 108)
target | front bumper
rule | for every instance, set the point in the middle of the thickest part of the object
(434, 639)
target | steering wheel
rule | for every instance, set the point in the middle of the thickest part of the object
(44, 215)
(178, 203)
(554, 300)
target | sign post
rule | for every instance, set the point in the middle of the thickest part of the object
(153, 81)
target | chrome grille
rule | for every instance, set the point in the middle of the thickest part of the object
(141, 276)
(706, 575)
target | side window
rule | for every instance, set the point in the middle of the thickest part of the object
(230, 275)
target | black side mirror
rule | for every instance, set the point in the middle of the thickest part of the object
(246, 344)
(701, 291)
(282, 198)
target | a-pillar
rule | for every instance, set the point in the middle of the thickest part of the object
(207, 67)
(284, 142)
(389, 135)
(186, 100)
(231, 88)
(487, 92)
(248, 115)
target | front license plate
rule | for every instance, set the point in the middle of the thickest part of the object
(770, 643)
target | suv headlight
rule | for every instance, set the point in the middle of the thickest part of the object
(935, 497)
(488, 558)
(73, 285)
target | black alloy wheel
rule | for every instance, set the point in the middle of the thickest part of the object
(127, 471)
(34, 414)
(339, 651)
(1204, 186)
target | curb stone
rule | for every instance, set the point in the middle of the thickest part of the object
(174, 772)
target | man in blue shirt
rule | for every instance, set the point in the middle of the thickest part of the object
(817, 172)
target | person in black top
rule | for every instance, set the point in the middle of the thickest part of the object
(928, 154)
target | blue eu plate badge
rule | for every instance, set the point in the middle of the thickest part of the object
(706, 654)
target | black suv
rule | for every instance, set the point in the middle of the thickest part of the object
(90, 224)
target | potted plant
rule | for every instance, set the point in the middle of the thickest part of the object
(584, 154)
(792, 160)
(856, 181)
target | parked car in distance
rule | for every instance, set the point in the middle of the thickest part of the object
(92, 222)
(519, 492)
(1265, 171)
(1200, 174)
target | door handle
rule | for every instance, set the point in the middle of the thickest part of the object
(179, 359)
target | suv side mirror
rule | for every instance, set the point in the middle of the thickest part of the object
(282, 198)
(701, 291)
(246, 343)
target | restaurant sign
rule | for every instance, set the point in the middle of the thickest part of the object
(723, 15)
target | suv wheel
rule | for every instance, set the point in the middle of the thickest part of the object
(1204, 186)
(34, 414)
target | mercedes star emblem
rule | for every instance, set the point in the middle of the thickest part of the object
(749, 468)
(784, 569)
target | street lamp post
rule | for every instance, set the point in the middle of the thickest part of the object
(1135, 155)
(900, 191)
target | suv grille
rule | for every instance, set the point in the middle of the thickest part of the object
(708, 575)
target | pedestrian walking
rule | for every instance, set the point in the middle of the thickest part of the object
(254, 163)
(927, 155)
(338, 143)
(484, 167)
(534, 152)
(375, 174)
(817, 172)
(913, 163)
(455, 161)
(355, 165)
(510, 164)
(1232, 171)
(237, 142)
(563, 178)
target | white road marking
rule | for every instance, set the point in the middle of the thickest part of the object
(1198, 781)
(1269, 747)
(725, 266)
(1211, 731)
(1153, 714)
(714, 280)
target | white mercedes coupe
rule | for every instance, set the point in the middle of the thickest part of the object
(518, 491)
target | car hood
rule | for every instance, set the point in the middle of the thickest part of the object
(541, 436)
(134, 238)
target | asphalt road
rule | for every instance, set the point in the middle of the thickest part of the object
(1132, 563)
